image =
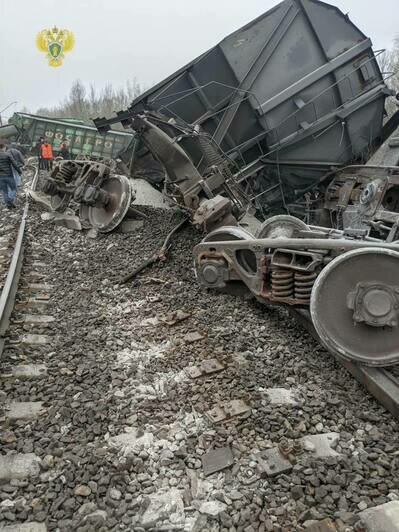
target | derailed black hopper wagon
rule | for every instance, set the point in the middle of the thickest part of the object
(284, 100)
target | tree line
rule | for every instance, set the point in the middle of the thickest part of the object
(86, 104)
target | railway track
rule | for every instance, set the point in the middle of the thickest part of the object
(7, 297)
(10, 287)
(20, 296)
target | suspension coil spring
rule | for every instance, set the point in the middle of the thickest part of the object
(304, 282)
(282, 284)
(212, 155)
(67, 171)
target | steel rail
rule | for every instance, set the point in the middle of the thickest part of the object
(7, 297)
(380, 382)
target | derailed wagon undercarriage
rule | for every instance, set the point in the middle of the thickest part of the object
(264, 123)
(342, 277)
(348, 287)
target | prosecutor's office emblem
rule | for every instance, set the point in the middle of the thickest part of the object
(55, 43)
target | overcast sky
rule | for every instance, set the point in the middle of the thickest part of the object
(121, 39)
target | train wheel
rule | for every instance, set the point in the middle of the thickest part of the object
(212, 270)
(228, 233)
(355, 306)
(108, 217)
(281, 226)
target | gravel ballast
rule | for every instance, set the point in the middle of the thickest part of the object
(124, 431)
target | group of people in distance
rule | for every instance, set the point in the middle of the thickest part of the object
(12, 161)
(45, 153)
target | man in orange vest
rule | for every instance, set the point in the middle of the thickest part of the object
(47, 156)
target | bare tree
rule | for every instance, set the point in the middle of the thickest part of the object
(133, 89)
(389, 64)
(77, 104)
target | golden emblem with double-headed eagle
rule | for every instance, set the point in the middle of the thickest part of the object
(55, 43)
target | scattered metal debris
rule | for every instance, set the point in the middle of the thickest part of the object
(290, 448)
(159, 256)
(228, 410)
(217, 460)
(272, 462)
(207, 367)
(280, 459)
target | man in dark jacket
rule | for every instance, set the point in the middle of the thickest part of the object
(19, 159)
(8, 186)
(64, 152)
(37, 150)
(16, 153)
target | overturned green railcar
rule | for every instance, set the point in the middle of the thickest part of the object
(81, 139)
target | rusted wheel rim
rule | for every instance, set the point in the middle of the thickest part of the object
(340, 327)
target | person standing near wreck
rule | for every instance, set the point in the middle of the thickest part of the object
(19, 159)
(37, 150)
(64, 152)
(47, 156)
(8, 186)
